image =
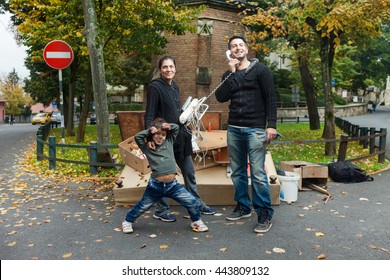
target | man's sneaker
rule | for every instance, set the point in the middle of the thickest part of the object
(165, 217)
(263, 226)
(208, 210)
(199, 226)
(238, 213)
(127, 227)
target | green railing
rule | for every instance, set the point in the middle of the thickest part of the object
(99, 155)
(365, 136)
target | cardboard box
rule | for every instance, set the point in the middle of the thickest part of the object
(307, 170)
(125, 149)
(221, 155)
(202, 161)
(214, 187)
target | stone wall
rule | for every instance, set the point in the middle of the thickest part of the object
(339, 111)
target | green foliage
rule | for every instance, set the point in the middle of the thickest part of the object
(125, 107)
(337, 99)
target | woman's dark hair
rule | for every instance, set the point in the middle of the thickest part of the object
(163, 58)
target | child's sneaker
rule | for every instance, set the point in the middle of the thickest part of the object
(127, 227)
(199, 226)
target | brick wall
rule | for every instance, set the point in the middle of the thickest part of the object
(192, 51)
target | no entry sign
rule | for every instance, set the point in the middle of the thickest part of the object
(58, 54)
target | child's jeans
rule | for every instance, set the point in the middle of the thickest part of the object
(155, 190)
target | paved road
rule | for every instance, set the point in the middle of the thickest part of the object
(47, 219)
(379, 119)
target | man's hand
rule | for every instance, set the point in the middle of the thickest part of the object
(271, 134)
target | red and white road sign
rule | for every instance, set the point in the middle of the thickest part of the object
(58, 54)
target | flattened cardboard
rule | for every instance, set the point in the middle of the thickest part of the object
(214, 187)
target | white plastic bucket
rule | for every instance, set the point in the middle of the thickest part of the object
(289, 186)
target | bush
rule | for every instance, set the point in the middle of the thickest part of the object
(125, 107)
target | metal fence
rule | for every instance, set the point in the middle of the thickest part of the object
(99, 155)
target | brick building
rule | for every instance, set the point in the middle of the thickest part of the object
(200, 57)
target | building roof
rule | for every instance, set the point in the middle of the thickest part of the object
(36, 108)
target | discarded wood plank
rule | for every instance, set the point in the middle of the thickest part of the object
(316, 187)
(320, 189)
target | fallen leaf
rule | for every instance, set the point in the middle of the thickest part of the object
(321, 257)
(143, 246)
(98, 240)
(11, 244)
(224, 249)
(12, 233)
(384, 250)
(268, 252)
(164, 247)
(152, 235)
(67, 255)
(363, 199)
(279, 250)
(320, 234)
(374, 247)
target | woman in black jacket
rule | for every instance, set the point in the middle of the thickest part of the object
(163, 100)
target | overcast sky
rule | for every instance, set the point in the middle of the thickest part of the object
(11, 55)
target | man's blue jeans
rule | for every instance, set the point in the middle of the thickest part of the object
(249, 143)
(155, 190)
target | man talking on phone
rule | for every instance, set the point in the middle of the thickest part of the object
(251, 126)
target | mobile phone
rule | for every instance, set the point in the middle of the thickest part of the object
(228, 54)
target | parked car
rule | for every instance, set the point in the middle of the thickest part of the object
(56, 117)
(41, 118)
(92, 119)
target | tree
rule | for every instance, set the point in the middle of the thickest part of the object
(267, 22)
(16, 100)
(124, 28)
(328, 24)
(96, 57)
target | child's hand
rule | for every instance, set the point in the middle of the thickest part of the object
(151, 145)
(166, 126)
(152, 130)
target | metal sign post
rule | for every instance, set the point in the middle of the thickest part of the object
(59, 55)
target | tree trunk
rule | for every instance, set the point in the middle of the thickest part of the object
(329, 128)
(85, 107)
(95, 48)
(310, 94)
